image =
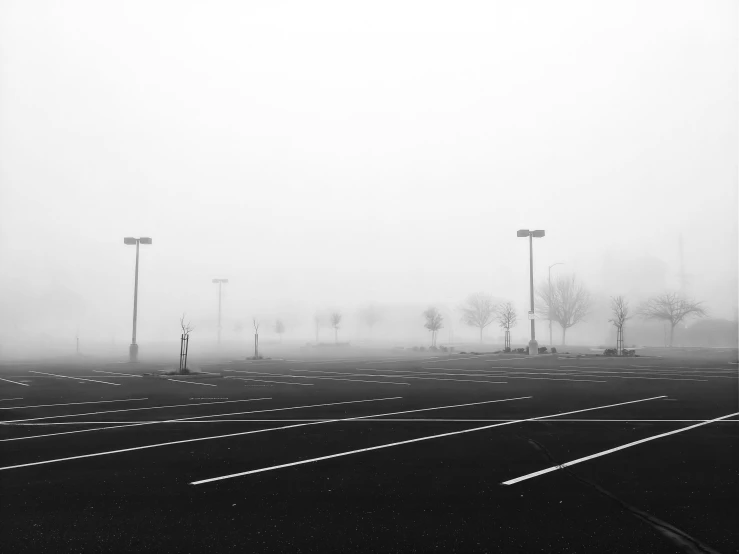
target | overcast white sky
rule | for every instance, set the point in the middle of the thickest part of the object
(331, 153)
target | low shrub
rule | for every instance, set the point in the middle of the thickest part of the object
(542, 350)
(554, 350)
(629, 353)
(610, 352)
(507, 349)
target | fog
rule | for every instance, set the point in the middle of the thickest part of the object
(329, 155)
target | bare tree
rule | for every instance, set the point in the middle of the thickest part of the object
(672, 308)
(370, 316)
(186, 328)
(279, 328)
(569, 303)
(620, 310)
(507, 318)
(479, 311)
(335, 319)
(433, 322)
(256, 338)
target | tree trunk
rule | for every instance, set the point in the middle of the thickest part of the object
(480, 335)
(564, 333)
(336, 336)
(256, 345)
(672, 333)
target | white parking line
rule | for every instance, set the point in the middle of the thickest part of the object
(328, 378)
(192, 382)
(73, 403)
(278, 382)
(14, 382)
(116, 373)
(185, 441)
(508, 376)
(610, 451)
(607, 376)
(340, 454)
(386, 420)
(76, 378)
(122, 410)
(401, 376)
(9, 399)
(138, 424)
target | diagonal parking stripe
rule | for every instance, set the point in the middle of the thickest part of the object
(138, 424)
(251, 432)
(125, 409)
(402, 376)
(75, 378)
(71, 403)
(611, 450)
(431, 437)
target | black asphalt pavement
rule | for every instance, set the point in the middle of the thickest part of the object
(351, 460)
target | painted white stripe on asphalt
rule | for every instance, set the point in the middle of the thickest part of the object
(185, 441)
(9, 399)
(508, 376)
(327, 378)
(402, 376)
(348, 453)
(74, 404)
(137, 424)
(116, 373)
(14, 382)
(611, 450)
(607, 376)
(278, 382)
(75, 378)
(387, 420)
(122, 410)
(192, 382)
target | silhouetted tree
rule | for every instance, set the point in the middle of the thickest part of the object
(620, 310)
(279, 328)
(433, 322)
(672, 308)
(478, 311)
(569, 304)
(370, 316)
(335, 319)
(507, 318)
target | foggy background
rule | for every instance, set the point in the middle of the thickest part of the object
(328, 155)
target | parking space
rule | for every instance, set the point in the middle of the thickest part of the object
(457, 436)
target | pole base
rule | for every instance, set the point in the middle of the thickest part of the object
(533, 347)
(133, 353)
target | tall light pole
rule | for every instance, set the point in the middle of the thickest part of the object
(220, 284)
(133, 350)
(550, 301)
(533, 345)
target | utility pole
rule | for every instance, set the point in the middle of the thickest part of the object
(133, 350)
(220, 283)
(533, 345)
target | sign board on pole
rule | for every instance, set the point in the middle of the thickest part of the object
(531, 315)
